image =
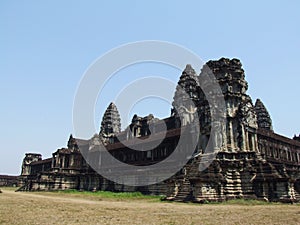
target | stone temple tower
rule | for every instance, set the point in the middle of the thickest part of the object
(263, 117)
(110, 125)
(239, 133)
(29, 158)
(186, 96)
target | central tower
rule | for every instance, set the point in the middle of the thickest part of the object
(239, 132)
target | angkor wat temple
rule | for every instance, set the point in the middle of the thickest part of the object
(251, 162)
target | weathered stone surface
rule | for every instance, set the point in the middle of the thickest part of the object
(296, 138)
(72, 144)
(186, 90)
(251, 160)
(263, 117)
(8, 181)
(111, 124)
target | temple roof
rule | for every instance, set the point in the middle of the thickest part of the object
(187, 88)
(263, 117)
(111, 121)
(188, 75)
(44, 161)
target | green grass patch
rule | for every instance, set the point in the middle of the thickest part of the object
(112, 195)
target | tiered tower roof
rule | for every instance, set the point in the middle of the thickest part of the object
(187, 88)
(263, 117)
(111, 121)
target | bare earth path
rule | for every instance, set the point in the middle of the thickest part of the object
(55, 208)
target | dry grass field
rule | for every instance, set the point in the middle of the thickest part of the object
(81, 208)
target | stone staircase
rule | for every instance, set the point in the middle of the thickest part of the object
(297, 196)
(25, 187)
(184, 192)
(233, 186)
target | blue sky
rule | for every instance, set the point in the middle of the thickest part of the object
(46, 46)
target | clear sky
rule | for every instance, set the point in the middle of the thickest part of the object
(46, 46)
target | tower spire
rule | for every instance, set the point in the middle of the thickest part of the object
(110, 124)
(186, 90)
(263, 117)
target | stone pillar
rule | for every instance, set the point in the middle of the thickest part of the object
(52, 163)
(247, 141)
(63, 162)
(253, 143)
(57, 160)
(224, 135)
(230, 133)
(244, 147)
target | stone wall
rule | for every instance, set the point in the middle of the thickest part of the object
(245, 159)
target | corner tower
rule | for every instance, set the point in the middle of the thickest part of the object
(263, 117)
(187, 88)
(29, 158)
(239, 133)
(186, 95)
(110, 125)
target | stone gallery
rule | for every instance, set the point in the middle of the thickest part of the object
(237, 156)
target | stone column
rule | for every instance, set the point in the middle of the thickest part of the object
(247, 141)
(253, 142)
(230, 129)
(52, 163)
(244, 147)
(71, 160)
(57, 160)
(63, 162)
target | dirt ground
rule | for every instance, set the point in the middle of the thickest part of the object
(56, 208)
